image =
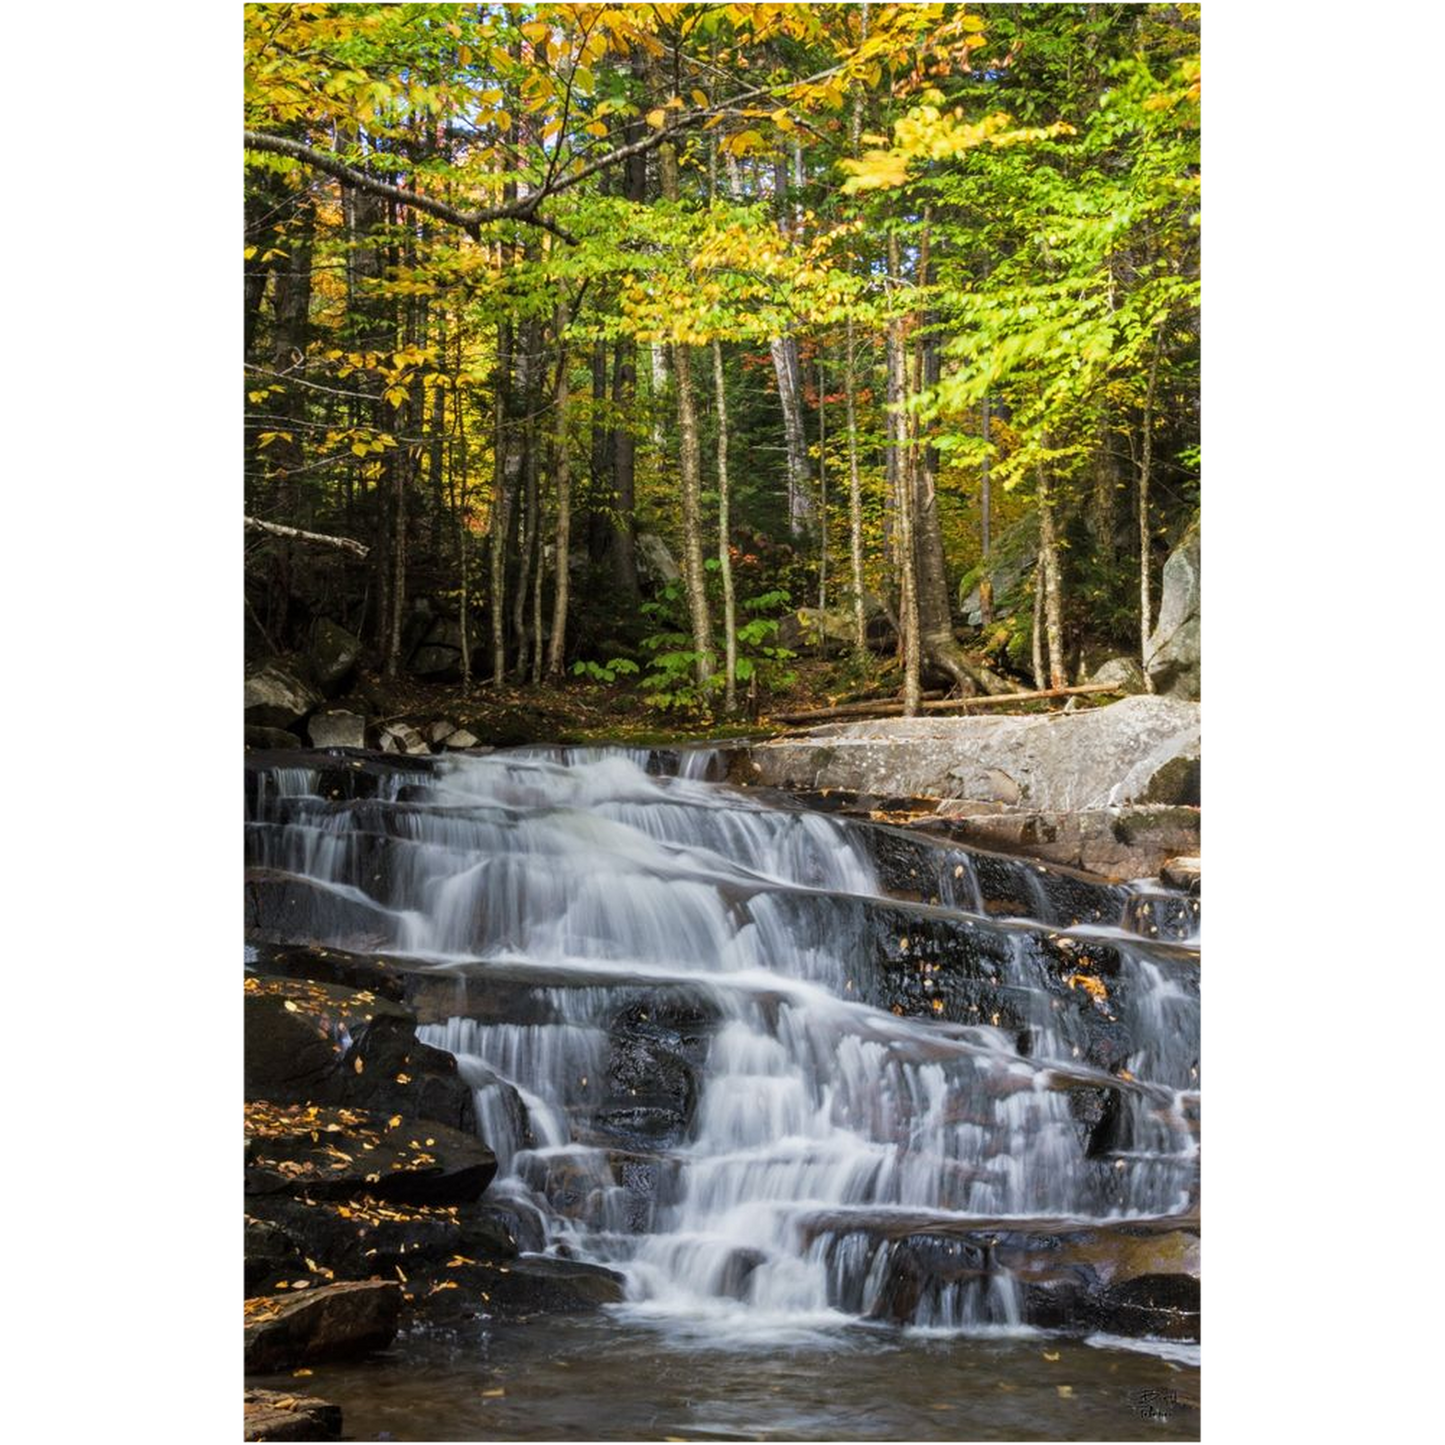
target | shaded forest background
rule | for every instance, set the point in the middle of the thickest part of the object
(709, 356)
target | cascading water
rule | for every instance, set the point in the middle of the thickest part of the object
(840, 1071)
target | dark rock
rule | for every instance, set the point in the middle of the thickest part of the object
(281, 908)
(332, 1322)
(327, 1152)
(276, 697)
(271, 1254)
(271, 738)
(272, 1415)
(317, 1043)
(438, 656)
(333, 653)
(400, 737)
(332, 965)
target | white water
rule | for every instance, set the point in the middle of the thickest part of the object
(820, 1121)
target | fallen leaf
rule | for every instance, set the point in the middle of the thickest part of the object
(493, 1394)
(1066, 1392)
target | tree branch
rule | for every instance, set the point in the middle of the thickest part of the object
(347, 544)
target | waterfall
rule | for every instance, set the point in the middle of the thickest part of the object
(782, 1070)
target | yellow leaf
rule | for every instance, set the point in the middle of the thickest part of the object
(1051, 1356)
(596, 128)
(1066, 1392)
(357, 1063)
(493, 1394)
(298, 1374)
(657, 118)
(699, 98)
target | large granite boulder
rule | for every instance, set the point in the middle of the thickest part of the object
(333, 653)
(1173, 652)
(336, 1321)
(1140, 750)
(276, 696)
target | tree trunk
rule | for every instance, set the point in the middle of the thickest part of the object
(1053, 600)
(985, 581)
(724, 552)
(503, 489)
(562, 482)
(690, 459)
(855, 504)
(1145, 463)
(623, 542)
(784, 350)
(900, 468)
(822, 488)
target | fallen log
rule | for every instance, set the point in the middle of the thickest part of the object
(883, 708)
(347, 544)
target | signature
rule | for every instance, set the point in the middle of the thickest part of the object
(1154, 1404)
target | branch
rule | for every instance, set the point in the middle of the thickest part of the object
(347, 544)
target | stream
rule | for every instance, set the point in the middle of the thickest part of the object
(884, 1137)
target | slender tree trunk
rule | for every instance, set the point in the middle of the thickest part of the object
(855, 503)
(690, 458)
(985, 582)
(563, 484)
(1037, 638)
(724, 531)
(899, 467)
(784, 350)
(528, 523)
(457, 474)
(1053, 600)
(822, 488)
(504, 449)
(624, 445)
(1145, 464)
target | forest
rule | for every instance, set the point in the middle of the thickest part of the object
(695, 362)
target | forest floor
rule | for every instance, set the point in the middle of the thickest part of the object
(579, 710)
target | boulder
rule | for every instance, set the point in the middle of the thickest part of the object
(266, 739)
(440, 731)
(332, 1322)
(1121, 672)
(1173, 652)
(1181, 873)
(461, 738)
(810, 628)
(332, 654)
(400, 737)
(1011, 561)
(336, 729)
(656, 563)
(1140, 750)
(272, 1415)
(438, 656)
(276, 697)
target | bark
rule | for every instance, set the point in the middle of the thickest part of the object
(900, 458)
(623, 541)
(1145, 463)
(855, 504)
(784, 350)
(1036, 637)
(320, 539)
(822, 489)
(562, 482)
(985, 584)
(724, 552)
(1052, 591)
(504, 455)
(690, 459)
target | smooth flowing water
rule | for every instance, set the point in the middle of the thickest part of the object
(858, 1088)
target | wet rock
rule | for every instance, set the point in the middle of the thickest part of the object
(308, 1042)
(335, 729)
(281, 908)
(544, 1285)
(276, 697)
(327, 1152)
(271, 738)
(330, 1322)
(273, 1415)
(333, 653)
(271, 1254)
(1182, 873)
(332, 965)
(1163, 1306)
(1172, 654)
(1113, 843)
